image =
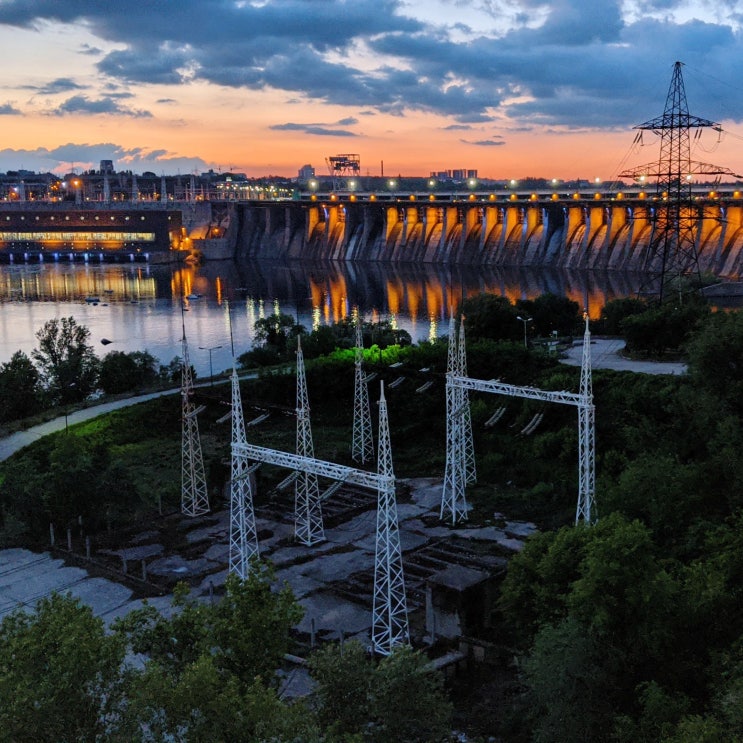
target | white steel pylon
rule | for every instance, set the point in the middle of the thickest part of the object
(586, 508)
(243, 535)
(362, 441)
(308, 523)
(194, 498)
(453, 498)
(467, 440)
(390, 613)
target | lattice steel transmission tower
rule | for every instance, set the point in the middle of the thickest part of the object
(470, 467)
(390, 613)
(243, 534)
(308, 523)
(362, 440)
(586, 508)
(672, 250)
(194, 497)
(453, 498)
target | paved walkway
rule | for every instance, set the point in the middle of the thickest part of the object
(605, 355)
(11, 444)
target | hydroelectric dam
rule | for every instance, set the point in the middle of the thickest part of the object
(573, 231)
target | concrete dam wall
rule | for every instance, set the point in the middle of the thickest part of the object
(597, 233)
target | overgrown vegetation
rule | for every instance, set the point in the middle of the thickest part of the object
(209, 675)
(630, 630)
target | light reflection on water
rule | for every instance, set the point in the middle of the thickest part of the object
(138, 305)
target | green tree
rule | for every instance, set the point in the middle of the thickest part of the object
(60, 674)
(275, 332)
(211, 669)
(204, 705)
(397, 699)
(550, 312)
(66, 361)
(615, 311)
(665, 328)
(715, 353)
(247, 632)
(344, 680)
(491, 316)
(118, 373)
(121, 372)
(20, 388)
(570, 674)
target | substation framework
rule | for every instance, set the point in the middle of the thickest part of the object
(389, 612)
(459, 450)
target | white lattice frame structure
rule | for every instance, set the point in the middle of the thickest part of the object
(362, 440)
(389, 614)
(467, 442)
(243, 534)
(389, 618)
(586, 506)
(308, 521)
(194, 496)
(453, 495)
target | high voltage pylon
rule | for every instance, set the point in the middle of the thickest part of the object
(453, 497)
(672, 251)
(194, 497)
(243, 534)
(389, 613)
(308, 523)
(362, 441)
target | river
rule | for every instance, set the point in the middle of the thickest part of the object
(138, 306)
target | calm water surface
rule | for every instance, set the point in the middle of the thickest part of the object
(138, 306)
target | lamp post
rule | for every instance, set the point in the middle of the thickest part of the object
(211, 371)
(524, 320)
(67, 386)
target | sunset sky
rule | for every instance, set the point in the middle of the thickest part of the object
(512, 88)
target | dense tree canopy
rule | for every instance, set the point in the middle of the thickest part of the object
(60, 674)
(67, 363)
(20, 388)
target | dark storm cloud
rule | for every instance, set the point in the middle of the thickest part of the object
(584, 64)
(87, 155)
(60, 85)
(318, 130)
(108, 105)
(8, 109)
(484, 142)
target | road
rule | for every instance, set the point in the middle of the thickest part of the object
(605, 354)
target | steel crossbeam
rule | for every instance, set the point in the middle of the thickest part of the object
(512, 390)
(314, 466)
(453, 500)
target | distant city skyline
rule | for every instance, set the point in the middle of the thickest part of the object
(510, 88)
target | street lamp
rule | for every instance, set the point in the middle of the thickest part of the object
(211, 371)
(67, 386)
(524, 320)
